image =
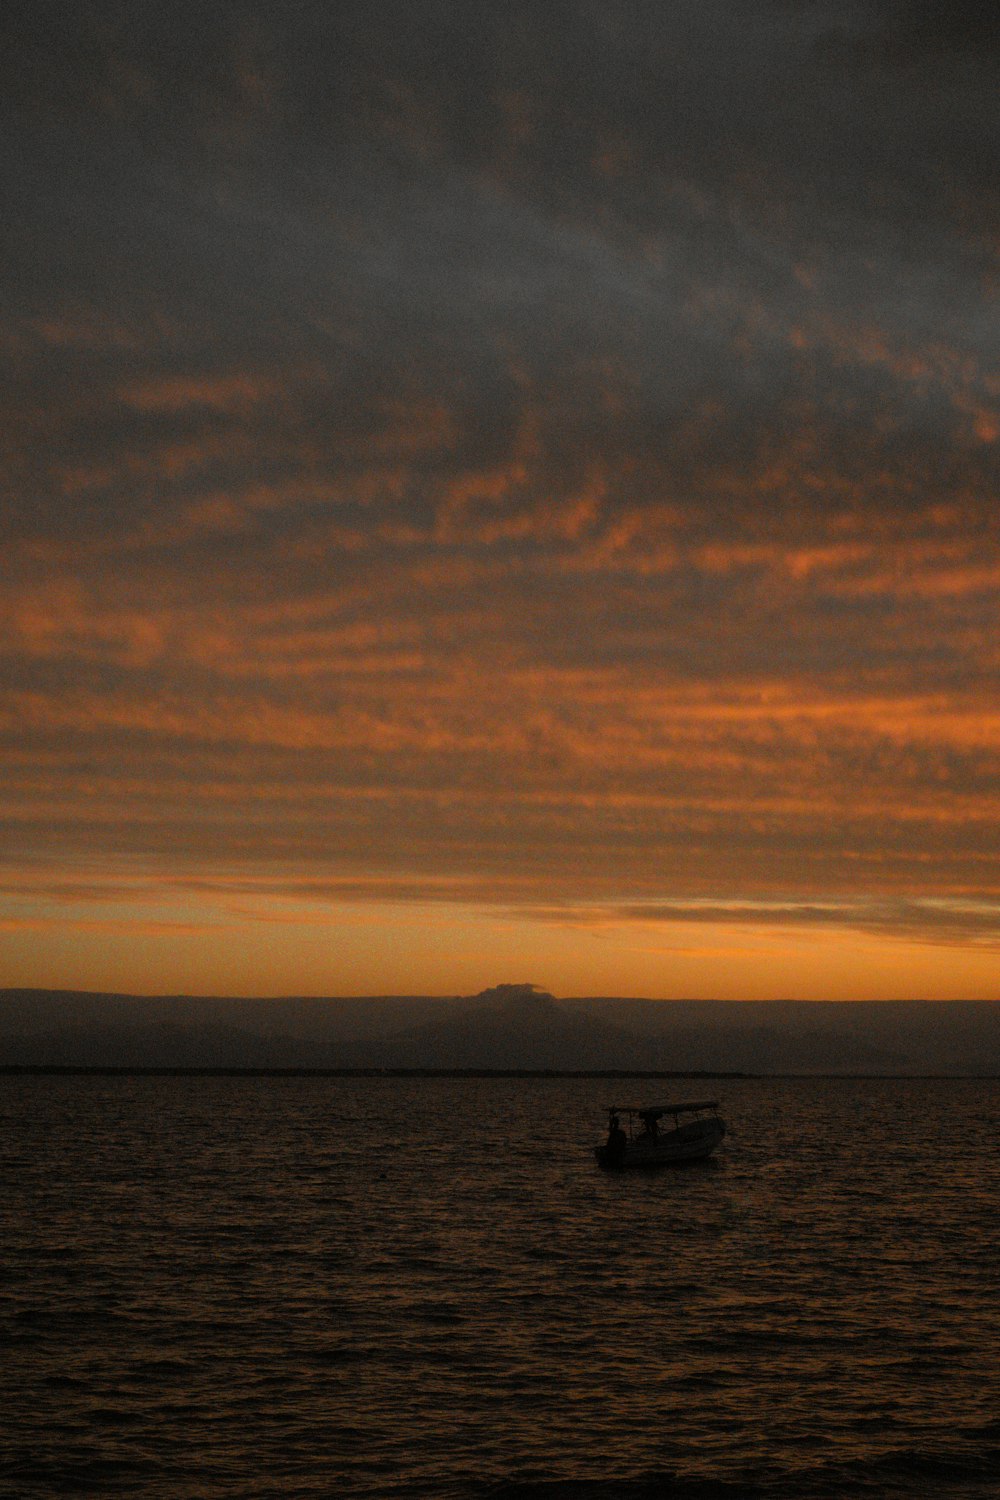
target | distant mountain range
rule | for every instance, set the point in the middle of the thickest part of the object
(511, 1026)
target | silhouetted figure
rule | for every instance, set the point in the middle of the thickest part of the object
(617, 1139)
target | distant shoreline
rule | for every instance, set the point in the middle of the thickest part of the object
(44, 1070)
(55, 1070)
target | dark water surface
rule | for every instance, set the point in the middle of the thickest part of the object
(311, 1287)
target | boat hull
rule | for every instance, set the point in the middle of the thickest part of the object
(692, 1142)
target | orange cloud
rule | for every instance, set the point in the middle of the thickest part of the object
(224, 393)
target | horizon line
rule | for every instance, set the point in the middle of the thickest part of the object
(19, 989)
(56, 1070)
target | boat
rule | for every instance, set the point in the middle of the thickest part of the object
(694, 1130)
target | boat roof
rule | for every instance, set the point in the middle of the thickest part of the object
(654, 1111)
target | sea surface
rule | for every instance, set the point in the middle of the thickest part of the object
(427, 1287)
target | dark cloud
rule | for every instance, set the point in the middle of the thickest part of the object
(940, 923)
(554, 436)
(900, 32)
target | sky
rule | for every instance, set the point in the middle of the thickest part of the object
(500, 492)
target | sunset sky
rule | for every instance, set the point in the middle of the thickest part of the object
(501, 491)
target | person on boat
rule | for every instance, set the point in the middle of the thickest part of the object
(650, 1128)
(617, 1139)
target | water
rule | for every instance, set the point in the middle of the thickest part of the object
(402, 1288)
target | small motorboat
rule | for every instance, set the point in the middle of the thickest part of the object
(694, 1130)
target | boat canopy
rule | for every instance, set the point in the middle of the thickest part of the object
(654, 1111)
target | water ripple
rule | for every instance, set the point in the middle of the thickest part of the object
(240, 1287)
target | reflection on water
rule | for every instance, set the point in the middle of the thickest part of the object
(223, 1287)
